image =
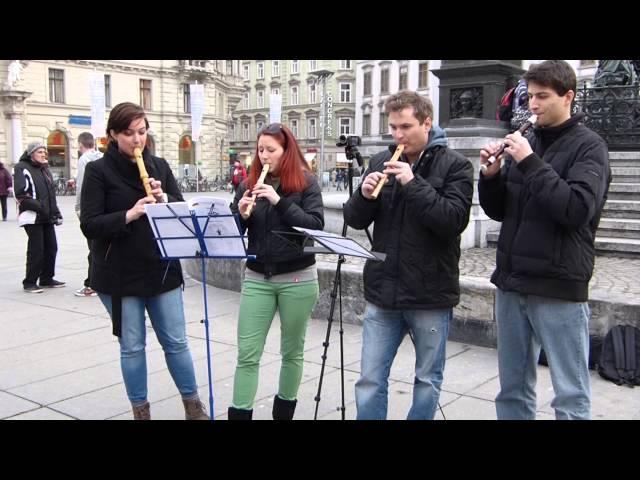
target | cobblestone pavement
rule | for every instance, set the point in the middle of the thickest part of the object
(611, 274)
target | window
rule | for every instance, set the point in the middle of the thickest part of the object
(294, 128)
(245, 71)
(367, 83)
(345, 92)
(186, 98)
(366, 125)
(260, 99)
(260, 68)
(311, 128)
(402, 84)
(294, 96)
(259, 125)
(384, 80)
(423, 75)
(232, 132)
(345, 126)
(245, 132)
(384, 123)
(275, 68)
(345, 64)
(313, 65)
(56, 85)
(145, 94)
(245, 100)
(229, 67)
(107, 91)
(220, 105)
(312, 93)
(275, 91)
(295, 66)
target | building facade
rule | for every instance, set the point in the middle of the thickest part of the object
(299, 85)
(51, 102)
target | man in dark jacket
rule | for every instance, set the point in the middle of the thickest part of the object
(419, 216)
(548, 195)
(35, 194)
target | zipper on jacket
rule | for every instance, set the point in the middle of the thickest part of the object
(107, 252)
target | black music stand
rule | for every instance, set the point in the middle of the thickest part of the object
(330, 243)
(201, 230)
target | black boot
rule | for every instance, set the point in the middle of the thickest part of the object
(283, 409)
(239, 414)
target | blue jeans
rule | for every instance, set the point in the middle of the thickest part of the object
(382, 334)
(167, 318)
(525, 322)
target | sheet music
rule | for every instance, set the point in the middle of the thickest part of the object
(337, 243)
(175, 233)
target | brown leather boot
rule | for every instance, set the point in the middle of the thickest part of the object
(142, 412)
(194, 410)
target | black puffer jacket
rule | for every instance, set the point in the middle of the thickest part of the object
(33, 187)
(125, 258)
(275, 255)
(418, 226)
(549, 205)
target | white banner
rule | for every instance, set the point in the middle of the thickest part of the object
(196, 96)
(275, 108)
(96, 94)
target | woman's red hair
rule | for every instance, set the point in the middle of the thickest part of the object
(292, 163)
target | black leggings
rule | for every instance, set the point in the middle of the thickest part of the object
(3, 202)
(41, 253)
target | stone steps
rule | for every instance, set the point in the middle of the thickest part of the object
(611, 246)
(619, 228)
(624, 191)
(621, 209)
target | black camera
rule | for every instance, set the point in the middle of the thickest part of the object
(348, 141)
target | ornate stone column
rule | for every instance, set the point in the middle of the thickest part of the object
(12, 104)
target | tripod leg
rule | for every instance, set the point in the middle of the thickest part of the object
(336, 285)
(206, 327)
(341, 351)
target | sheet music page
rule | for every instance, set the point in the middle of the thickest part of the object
(172, 227)
(209, 206)
(337, 243)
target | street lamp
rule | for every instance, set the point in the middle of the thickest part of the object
(322, 75)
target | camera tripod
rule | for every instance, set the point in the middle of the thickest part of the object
(336, 293)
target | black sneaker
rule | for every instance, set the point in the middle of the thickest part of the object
(32, 289)
(52, 284)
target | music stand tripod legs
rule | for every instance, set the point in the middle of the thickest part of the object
(336, 293)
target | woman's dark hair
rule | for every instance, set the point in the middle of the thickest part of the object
(121, 117)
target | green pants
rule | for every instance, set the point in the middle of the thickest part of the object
(295, 302)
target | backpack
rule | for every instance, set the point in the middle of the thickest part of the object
(620, 358)
(504, 112)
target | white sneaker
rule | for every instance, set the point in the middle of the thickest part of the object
(85, 292)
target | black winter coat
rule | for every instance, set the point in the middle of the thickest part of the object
(34, 190)
(274, 254)
(549, 205)
(125, 258)
(418, 226)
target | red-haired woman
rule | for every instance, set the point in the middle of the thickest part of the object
(281, 277)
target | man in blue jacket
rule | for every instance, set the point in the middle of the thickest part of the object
(549, 196)
(419, 216)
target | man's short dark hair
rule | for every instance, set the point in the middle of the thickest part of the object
(556, 74)
(422, 106)
(86, 140)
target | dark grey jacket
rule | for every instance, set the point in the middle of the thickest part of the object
(418, 226)
(549, 205)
